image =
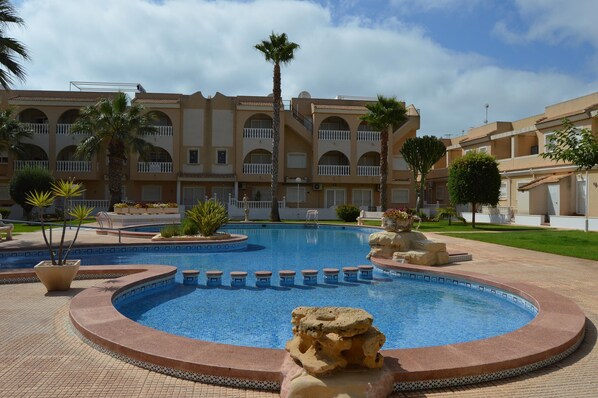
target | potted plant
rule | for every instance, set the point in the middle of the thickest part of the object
(395, 220)
(153, 208)
(121, 208)
(58, 272)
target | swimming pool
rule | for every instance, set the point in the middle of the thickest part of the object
(411, 311)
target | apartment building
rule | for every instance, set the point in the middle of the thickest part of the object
(221, 147)
(537, 190)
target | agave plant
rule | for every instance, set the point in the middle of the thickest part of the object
(208, 216)
(64, 190)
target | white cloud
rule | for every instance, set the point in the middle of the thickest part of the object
(191, 45)
(430, 5)
(553, 22)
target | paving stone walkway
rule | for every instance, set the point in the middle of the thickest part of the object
(40, 356)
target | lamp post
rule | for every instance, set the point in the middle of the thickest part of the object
(298, 180)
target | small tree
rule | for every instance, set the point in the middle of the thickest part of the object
(474, 179)
(208, 216)
(384, 115)
(575, 145)
(421, 153)
(12, 133)
(26, 181)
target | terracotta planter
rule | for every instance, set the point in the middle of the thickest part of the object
(171, 210)
(136, 210)
(57, 277)
(121, 210)
(153, 210)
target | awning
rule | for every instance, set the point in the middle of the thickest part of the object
(551, 179)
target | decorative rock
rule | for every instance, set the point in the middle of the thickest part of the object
(329, 338)
(287, 277)
(214, 278)
(350, 274)
(366, 271)
(190, 277)
(262, 278)
(310, 276)
(238, 278)
(330, 275)
(412, 247)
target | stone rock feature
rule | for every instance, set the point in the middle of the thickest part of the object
(331, 338)
(412, 247)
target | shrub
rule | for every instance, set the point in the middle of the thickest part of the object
(189, 228)
(208, 216)
(170, 230)
(25, 182)
(347, 213)
(5, 212)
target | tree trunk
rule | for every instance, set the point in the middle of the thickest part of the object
(473, 211)
(274, 215)
(383, 168)
(422, 187)
(116, 159)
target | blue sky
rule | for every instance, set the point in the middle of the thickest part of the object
(447, 57)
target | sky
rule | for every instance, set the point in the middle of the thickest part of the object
(449, 58)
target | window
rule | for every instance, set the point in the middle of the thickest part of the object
(4, 192)
(399, 163)
(548, 138)
(151, 193)
(3, 157)
(362, 197)
(221, 194)
(260, 158)
(221, 156)
(293, 194)
(440, 192)
(296, 160)
(335, 197)
(193, 156)
(483, 149)
(192, 195)
(261, 123)
(503, 191)
(399, 195)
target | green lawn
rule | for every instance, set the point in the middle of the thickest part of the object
(24, 227)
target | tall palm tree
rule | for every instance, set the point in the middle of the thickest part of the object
(12, 132)
(421, 153)
(119, 128)
(385, 115)
(278, 50)
(10, 49)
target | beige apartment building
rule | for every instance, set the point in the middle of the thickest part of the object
(221, 147)
(534, 190)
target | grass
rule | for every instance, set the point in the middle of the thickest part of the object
(23, 227)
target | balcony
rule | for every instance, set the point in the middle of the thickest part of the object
(257, 168)
(65, 129)
(334, 135)
(333, 170)
(368, 171)
(37, 128)
(154, 167)
(73, 166)
(258, 133)
(162, 131)
(21, 164)
(368, 135)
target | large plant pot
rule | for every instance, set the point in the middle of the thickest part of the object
(171, 210)
(57, 277)
(121, 210)
(392, 225)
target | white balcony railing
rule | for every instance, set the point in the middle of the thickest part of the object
(65, 129)
(154, 167)
(257, 168)
(368, 171)
(368, 136)
(96, 204)
(21, 164)
(333, 170)
(255, 204)
(334, 135)
(75, 166)
(37, 128)
(257, 133)
(162, 131)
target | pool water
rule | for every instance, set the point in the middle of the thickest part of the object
(411, 313)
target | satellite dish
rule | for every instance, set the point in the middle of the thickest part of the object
(304, 94)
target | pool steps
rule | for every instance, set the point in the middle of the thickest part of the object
(287, 277)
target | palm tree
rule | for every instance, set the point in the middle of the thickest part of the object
(12, 132)
(117, 127)
(421, 153)
(278, 50)
(10, 49)
(385, 114)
